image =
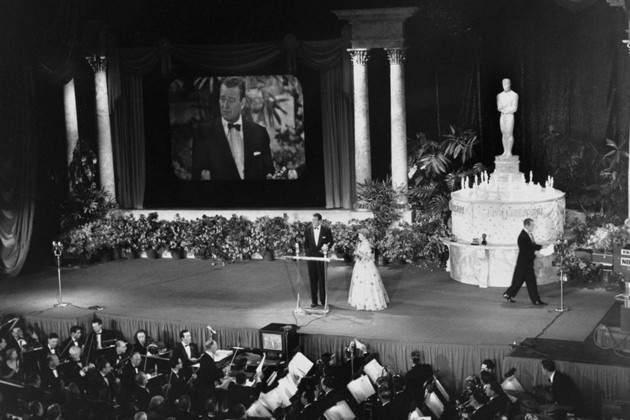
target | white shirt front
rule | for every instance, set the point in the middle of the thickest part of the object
(235, 140)
(316, 233)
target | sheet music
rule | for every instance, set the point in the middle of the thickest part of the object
(435, 405)
(340, 411)
(259, 368)
(361, 388)
(511, 385)
(418, 415)
(373, 369)
(222, 354)
(300, 365)
(257, 409)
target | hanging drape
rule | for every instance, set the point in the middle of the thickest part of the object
(17, 170)
(17, 144)
(128, 65)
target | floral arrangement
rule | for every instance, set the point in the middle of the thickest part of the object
(238, 238)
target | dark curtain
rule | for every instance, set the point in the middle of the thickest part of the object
(17, 145)
(128, 65)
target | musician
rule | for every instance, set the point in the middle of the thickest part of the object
(186, 351)
(497, 400)
(308, 412)
(75, 371)
(141, 396)
(240, 393)
(419, 374)
(128, 372)
(140, 342)
(3, 347)
(33, 389)
(75, 339)
(99, 338)
(120, 356)
(50, 348)
(16, 340)
(12, 366)
(51, 378)
(209, 375)
(479, 411)
(102, 386)
(177, 383)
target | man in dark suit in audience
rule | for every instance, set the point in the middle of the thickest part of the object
(231, 147)
(419, 374)
(176, 382)
(186, 351)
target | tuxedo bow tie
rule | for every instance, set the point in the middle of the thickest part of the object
(237, 127)
(186, 345)
(316, 228)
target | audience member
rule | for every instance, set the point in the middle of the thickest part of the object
(12, 367)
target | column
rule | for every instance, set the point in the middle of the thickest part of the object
(105, 154)
(362, 155)
(398, 117)
(72, 124)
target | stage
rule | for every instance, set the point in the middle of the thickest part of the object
(453, 324)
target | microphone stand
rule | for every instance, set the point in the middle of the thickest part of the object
(57, 250)
(562, 246)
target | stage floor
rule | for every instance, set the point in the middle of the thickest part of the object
(426, 306)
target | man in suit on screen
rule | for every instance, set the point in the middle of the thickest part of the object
(315, 238)
(231, 148)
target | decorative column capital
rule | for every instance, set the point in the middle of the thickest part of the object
(396, 55)
(97, 63)
(359, 56)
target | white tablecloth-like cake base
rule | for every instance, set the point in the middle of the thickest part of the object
(492, 266)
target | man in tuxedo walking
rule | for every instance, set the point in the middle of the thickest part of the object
(231, 147)
(524, 269)
(315, 238)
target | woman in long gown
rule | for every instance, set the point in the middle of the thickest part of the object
(366, 287)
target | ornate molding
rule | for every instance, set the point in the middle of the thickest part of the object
(359, 56)
(396, 55)
(97, 63)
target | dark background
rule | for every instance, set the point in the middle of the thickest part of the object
(565, 59)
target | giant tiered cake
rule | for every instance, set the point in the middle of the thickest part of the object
(496, 206)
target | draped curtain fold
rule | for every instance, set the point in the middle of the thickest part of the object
(128, 65)
(17, 171)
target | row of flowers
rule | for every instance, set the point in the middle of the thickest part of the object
(238, 238)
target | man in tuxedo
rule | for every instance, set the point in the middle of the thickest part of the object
(100, 338)
(316, 237)
(309, 409)
(129, 371)
(230, 147)
(75, 339)
(51, 378)
(75, 371)
(102, 385)
(566, 397)
(239, 393)
(524, 269)
(208, 374)
(497, 400)
(187, 351)
(419, 374)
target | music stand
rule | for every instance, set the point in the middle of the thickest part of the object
(299, 309)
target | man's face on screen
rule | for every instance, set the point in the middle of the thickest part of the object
(231, 103)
